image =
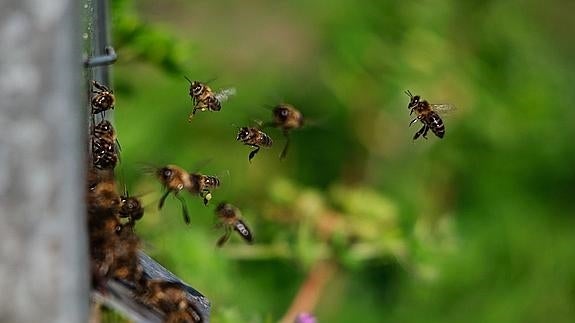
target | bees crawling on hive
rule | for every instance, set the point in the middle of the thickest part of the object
(103, 98)
(112, 216)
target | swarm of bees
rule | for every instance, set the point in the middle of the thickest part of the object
(112, 217)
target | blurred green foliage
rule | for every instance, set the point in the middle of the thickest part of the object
(477, 227)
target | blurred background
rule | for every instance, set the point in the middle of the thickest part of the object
(359, 223)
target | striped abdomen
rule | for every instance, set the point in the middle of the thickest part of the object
(435, 124)
(243, 230)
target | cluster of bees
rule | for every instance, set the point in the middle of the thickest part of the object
(112, 216)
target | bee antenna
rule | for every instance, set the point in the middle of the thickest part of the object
(211, 80)
(188, 79)
(408, 93)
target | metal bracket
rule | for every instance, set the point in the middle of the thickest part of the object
(102, 60)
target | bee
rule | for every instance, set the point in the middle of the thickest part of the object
(103, 100)
(130, 208)
(176, 179)
(230, 218)
(102, 193)
(254, 137)
(427, 113)
(126, 265)
(104, 154)
(105, 147)
(202, 185)
(205, 99)
(286, 117)
(105, 131)
(170, 298)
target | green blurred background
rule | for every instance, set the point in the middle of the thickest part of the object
(476, 227)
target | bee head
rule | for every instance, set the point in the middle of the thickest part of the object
(225, 210)
(222, 207)
(131, 206)
(165, 173)
(281, 113)
(243, 134)
(212, 181)
(196, 88)
(414, 100)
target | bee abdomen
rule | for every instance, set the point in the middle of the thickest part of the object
(436, 125)
(243, 230)
(267, 141)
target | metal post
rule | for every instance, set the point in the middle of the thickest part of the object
(101, 41)
(43, 247)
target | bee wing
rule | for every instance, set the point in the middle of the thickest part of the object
(443, 108)
(225, 94)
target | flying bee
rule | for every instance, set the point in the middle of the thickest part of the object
(286, 117)
(174, 179)
(202, 185)
(205, 99)
(254, 137)
(103, 100)
(428, 114)
(230, 218)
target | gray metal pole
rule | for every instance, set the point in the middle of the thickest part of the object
(43, 247)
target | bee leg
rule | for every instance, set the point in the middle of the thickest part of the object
(206, 195)
(224, 238)
(286, 146)
(413, 121)
(163, 199)
(185, 212)
(253, 152)
(419, 132)
(425, 132)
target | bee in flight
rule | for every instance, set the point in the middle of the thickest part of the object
(230, 218)
(427, 113)
(254, 137)
(175, 179)
(103, 99)
(286, 117)
(205, 99)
